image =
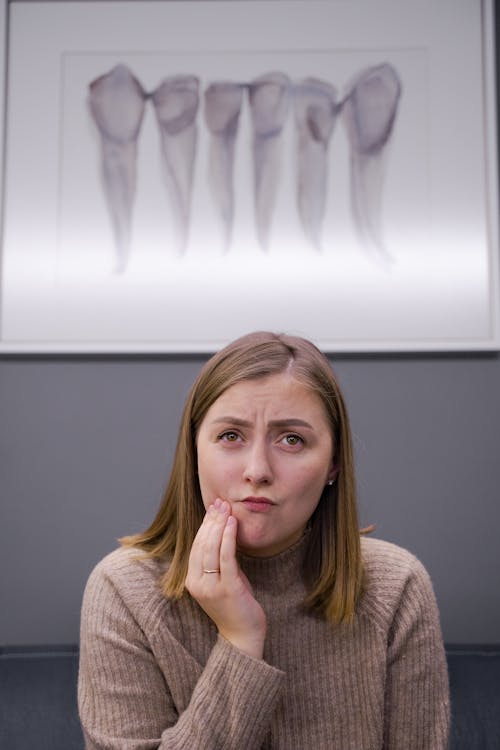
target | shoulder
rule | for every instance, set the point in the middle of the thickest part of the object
(394, 578)
(130, 565)
(126, 578)
(383, 558)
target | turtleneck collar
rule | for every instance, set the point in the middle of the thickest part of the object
(279, 571)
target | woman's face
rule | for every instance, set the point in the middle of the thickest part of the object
(265, 446)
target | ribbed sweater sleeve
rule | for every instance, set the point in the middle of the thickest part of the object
(417, 695)
(124, 699)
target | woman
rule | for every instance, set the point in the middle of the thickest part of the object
(250, 614)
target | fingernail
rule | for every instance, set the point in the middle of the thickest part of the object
(217, 503)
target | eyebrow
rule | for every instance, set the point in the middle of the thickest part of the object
(290, 422)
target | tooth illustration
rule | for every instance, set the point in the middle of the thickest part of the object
(176, 102)
(269, 97)
(222, 112)
(116, 102)
(315, 116)
(369, 112)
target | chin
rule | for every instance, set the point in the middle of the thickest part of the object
(253, 544)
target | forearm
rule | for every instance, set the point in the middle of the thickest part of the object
(231, 705)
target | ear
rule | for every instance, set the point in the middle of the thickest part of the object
(333, 473)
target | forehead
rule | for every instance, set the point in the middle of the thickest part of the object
(279, 396)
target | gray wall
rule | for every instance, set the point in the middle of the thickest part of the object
(86, 444)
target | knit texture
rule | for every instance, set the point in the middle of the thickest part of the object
(155, 674)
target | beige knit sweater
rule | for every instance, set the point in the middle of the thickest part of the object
(155, 674)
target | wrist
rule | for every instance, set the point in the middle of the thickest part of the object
(251, 645)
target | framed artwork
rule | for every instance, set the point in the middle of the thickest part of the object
(179, 173)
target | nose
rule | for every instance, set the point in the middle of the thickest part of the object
(258, 468)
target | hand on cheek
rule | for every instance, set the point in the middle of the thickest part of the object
(225, 595)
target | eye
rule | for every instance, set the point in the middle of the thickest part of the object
(228, 437)
(293, 440)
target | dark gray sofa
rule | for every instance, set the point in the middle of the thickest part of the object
(38, 698)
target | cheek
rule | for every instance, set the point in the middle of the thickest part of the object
(309, 484)
(312, 472)
(214, 478)
(204, 480)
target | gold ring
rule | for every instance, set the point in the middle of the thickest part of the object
(215, 570)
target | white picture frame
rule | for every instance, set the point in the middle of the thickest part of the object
(435, 176)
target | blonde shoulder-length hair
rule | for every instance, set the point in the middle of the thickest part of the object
(333, 565)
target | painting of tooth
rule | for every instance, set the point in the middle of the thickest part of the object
(269, 98)
(315, 115)
(175, 102)
(369, 111)
(223, 102)
(116, 102)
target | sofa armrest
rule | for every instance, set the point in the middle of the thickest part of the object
(474, 673)
(38, 707)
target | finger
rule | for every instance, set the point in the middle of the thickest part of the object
(213, 533)
(228, 564)
(202, 538)
(196, 554)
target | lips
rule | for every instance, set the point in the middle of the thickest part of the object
(258, 504)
